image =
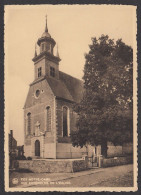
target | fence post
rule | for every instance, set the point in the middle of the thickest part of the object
(100, 160)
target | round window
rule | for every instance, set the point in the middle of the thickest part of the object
(37, 93)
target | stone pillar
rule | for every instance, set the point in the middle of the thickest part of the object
(100, 161)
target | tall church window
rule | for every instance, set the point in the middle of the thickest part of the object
(66, 125)
(39, 72)
(29, 123)
(52, 71)
(48, 110)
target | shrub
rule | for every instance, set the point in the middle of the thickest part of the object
(29, 158)
(20, 158)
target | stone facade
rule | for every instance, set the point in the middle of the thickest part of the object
(37, 108)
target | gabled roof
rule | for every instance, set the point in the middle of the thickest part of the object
(74, 86)
(67, 87)
(59, 89)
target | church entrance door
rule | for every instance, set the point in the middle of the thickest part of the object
(37, 148)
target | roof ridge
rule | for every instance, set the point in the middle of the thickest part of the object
(70, 76)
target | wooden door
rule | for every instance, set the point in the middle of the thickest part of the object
(37, 148)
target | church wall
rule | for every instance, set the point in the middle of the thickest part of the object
(49, 138)
(37, 109)
(66, 150)
(50, 150)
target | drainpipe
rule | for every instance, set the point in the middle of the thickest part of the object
(55, 133)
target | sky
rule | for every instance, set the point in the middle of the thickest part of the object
(72, 27)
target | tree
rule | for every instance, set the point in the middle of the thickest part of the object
(106, 109)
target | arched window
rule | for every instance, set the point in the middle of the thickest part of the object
(29, 123)
(66, 125)
(48, 110)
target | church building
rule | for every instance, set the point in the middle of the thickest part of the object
(48, 111)
(48, 114)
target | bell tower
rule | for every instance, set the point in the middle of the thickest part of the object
(46, 63)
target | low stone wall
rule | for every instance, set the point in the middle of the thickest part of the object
(51, 166)
(116, 161)
(79, 165)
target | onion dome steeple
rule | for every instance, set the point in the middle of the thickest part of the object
(46, 63)
(46, 42)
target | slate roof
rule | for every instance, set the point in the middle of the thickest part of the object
(67, 87)
(74, 86)
(59, 89)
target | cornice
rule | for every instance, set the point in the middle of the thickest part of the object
(38, 80)
(48, 55)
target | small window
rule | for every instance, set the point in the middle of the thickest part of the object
(52, 71)
(39, 72)
(37, 93)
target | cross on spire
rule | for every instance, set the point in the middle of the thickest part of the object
(46, 29)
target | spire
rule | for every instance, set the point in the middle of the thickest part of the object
(46, 29)
(35, 51)
(57, 53)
